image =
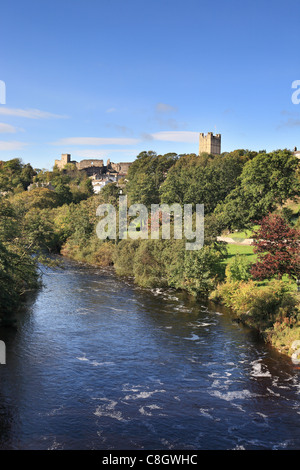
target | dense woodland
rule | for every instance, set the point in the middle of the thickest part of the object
(243, 192)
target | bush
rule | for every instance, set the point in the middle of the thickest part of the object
(149, 268)
(238, 269)
(123, 257)
(260, 306)
(235, 294)
(202, 271)
(104, 255)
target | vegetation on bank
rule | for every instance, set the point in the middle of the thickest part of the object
(27, 232)
(238, 190)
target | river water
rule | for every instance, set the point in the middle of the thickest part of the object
(98, 363)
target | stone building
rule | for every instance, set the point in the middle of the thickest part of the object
(94, 167)
(121, 168)
(91, 167)
(92, 163)
(65, 159)
(210, 143)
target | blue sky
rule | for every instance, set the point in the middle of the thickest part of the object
(111, 78)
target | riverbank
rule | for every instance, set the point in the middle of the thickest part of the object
(271, 308)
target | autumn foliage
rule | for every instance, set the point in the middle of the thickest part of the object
(278, 247)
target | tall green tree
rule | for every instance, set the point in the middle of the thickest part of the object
(146, 175)
(204, 179)
(267, 181)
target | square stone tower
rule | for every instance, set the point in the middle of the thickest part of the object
(65, 158)
(210, 143)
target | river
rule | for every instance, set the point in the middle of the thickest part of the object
(98, 363)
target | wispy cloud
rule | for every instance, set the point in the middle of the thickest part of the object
(165, 108)
(291, 122)
(177, 136)
(7, 128)
(171, 123)
(146, 136)
(96, 141)
(162, 118)
(30, 113)
(101, 153)
(111, 110)
(120, 129)
(292, 119)
(284, 112)
(228, 111)
(12, 145)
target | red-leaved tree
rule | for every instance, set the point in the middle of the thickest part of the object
(278, 248)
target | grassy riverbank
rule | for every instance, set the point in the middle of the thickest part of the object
(271, 307)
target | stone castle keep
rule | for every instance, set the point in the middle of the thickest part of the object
(94, 167)
(210, 143)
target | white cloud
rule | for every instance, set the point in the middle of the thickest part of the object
(177, 136)
(101, 153)
(12, 145)
(96, 141)
(92, 153)
(7, 128)
(30, 113)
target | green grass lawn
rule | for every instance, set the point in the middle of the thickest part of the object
(240, 236)
(248, 251)
(240, 249)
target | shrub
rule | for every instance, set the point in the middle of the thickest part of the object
(238, 269)
(202, 270)
(260, 306)
(123, 257)
(149, 268)
(104, 255)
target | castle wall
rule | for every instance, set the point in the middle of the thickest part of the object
(122, 167)
(65, 159)
(83, 164)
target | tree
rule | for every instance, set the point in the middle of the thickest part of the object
(204, 179)
(277, 246)
(146, 175)
(109, 194)
(202, 270)
(267, 181)
(15, 176)
(18, 268)
(63, 193)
